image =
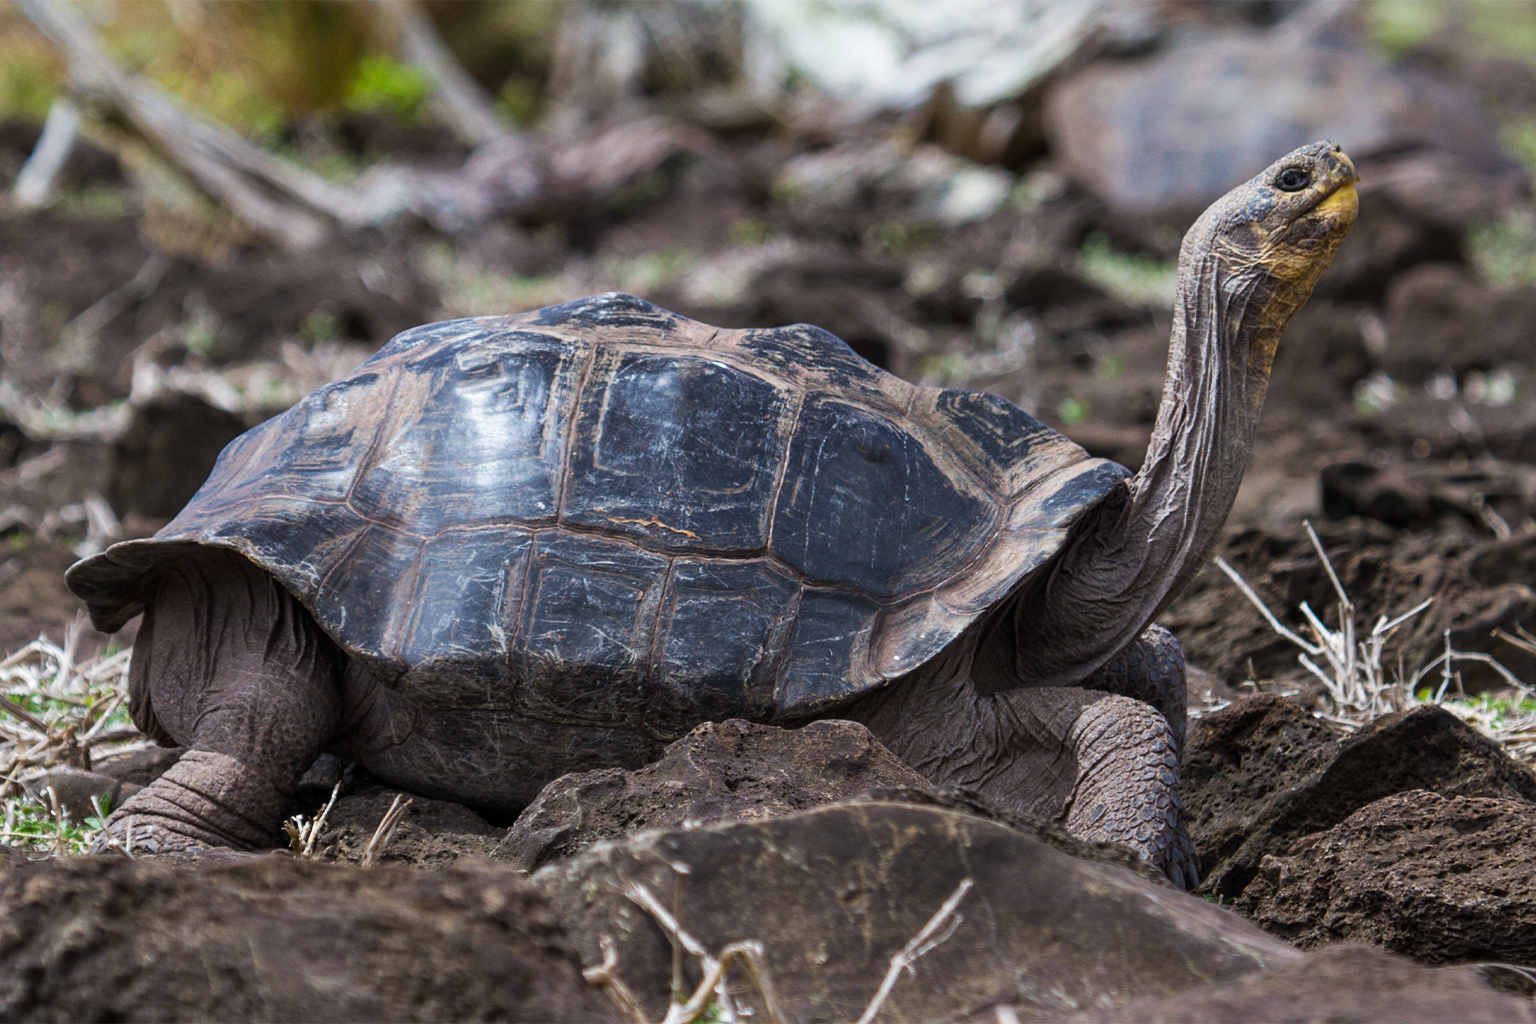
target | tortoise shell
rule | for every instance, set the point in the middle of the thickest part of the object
(603, 513)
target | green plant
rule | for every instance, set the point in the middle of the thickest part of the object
(641, 192)
(31, 73)
(1072, 411)
(383, 83)
(1139, 280)
(894, 238)
(1504, 251)
(748, 232)
(31, 823)
(1110, 367)
(518, 98)
(53, 707)
(94, 202)
(1399, 26)
(320, 327)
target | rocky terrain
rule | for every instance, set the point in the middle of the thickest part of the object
(1364, 848)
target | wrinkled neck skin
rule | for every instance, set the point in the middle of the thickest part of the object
(1134, 553)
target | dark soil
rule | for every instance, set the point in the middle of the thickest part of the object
(1263, 773)
(1444, 880)
(102, 939)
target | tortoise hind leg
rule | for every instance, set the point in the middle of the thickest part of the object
(230, 665)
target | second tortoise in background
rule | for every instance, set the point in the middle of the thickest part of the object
(513, 547)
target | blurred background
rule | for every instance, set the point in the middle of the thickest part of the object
(211, 208)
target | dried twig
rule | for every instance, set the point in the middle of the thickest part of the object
(105, 309)
(749, 953)
(605, 979)
(1449, 655)
(58, 822)
(921, 943)
(386, 830)
(1525, 641)
(1353, 680)
(34, 183)
(217, 158)
(1355, 686)
(26, 716)
(1263, 609)
(302, 835)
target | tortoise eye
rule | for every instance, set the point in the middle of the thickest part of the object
(1293, 179)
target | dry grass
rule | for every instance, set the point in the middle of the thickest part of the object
(1356, 688)
(58, 709)
(304, 833)
(385, 830)
(711, 1000)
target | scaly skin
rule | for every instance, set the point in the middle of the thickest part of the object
(1105, 765)
(206, 801)
(1151, 669)
(229, 664)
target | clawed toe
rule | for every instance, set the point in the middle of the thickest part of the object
(133, 838)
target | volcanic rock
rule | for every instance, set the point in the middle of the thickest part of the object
(719, 771)
(1440, 879)
(1441, 318)
(833, 894)
(166, 453)
(77, 791)
(1177, 129)
(1341, 983)
(141, 767)
(272, 938)
(1418, 494)
(1263, 772)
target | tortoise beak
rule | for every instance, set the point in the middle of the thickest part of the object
(1343, 200)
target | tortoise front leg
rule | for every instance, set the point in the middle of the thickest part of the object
(1104, 765)
(230, 665)
(1151, 669)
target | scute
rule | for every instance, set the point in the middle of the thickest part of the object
(606, 516)
(725, 628)
(660, 452)
(468, 439)
(611, 309)
(828, 652)
(463, 610)
(367, 593)
(850, 467)
(590, 609)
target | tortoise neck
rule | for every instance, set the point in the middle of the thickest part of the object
(1133, 554)
(1219, 358)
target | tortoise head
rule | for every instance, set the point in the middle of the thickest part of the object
(1259, 250)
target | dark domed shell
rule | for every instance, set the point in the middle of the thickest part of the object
(603, 513)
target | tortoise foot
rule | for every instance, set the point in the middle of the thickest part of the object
(207, 801)
(136, 837)
(1127, 788)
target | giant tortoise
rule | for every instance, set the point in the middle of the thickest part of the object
(507, 548)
